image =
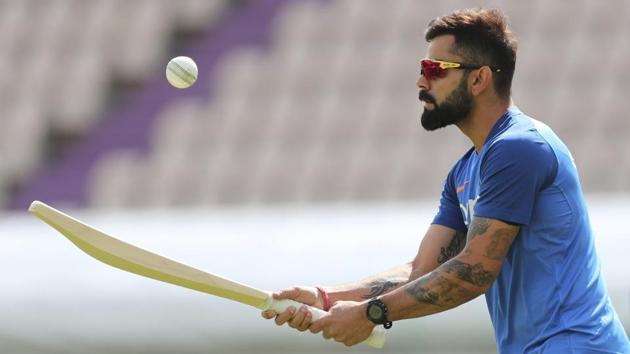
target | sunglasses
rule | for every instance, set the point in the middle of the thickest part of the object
(433, 69)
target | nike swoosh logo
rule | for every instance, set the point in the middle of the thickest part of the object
(461, 188)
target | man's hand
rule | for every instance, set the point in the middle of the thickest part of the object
(299, 319)
(345, 323)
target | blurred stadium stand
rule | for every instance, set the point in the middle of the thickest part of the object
(298, 101)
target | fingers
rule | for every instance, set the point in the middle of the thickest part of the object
(328, 331)
(269, 314)
(317, 327)
(299, 320)
(302, 319)
(349, 342)
(280, 318)
(285, 316)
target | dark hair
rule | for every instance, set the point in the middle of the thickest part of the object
(482, 37)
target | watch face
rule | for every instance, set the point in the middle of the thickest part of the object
(375, 312)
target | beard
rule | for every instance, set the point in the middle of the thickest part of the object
(455, 108)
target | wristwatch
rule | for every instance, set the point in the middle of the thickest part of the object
(377, 312)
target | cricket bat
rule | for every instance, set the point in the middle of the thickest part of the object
(125, 256)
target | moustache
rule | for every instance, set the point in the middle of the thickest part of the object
(424, 96)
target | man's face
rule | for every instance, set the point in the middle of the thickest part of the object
(446, 99)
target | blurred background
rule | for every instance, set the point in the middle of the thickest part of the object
(296, 158)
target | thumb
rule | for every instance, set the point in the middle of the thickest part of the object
(290, 293)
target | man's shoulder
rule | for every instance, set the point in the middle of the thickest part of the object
(523, 127)
(521, 134)
(522, 145)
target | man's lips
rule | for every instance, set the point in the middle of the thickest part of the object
(427, 104)
(426, 98)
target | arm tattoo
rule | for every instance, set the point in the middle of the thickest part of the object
(454, 248)
(379, 287)
(439, 291)
(450, 284)
(499, 244)
(471, 273)
(421, 293)
(478, 226)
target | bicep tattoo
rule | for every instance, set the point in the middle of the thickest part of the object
(478, 226)
(499, 239)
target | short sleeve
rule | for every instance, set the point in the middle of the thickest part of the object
(511, 174)
(449, 213)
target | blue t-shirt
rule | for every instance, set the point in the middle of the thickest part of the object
(549, 296)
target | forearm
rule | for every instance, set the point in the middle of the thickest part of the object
(450, 285)
(372, 286)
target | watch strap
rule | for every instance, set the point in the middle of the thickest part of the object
(383, 318)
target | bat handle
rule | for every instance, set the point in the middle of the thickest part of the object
(375, 340)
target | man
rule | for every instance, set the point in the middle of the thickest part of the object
(512, 222)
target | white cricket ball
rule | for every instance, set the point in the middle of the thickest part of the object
(181, 72)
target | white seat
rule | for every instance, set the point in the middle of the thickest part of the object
(612, 119)
(597, 163)
(14, 26)
(76, 105)
(237, 176)
(22, 142)
(40, 77)
(301, 124)
(195, 15)
(604, 18)
(297, 21)
(4, 180)
(118, 180)
(377, 166)
(282, 174)
(345, 122)
(421, 173)
(545, 18)
(176, 179)
(327, 178)
(236, 71)
(147, 22)
(100, 25)
(175, 126)
(395, 118)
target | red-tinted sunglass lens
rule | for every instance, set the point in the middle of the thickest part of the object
(431, 69)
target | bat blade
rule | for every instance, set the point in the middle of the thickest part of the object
(130, 258)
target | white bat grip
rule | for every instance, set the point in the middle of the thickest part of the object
(375, 340)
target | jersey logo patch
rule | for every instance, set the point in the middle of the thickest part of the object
(468, 210)
(461, 188)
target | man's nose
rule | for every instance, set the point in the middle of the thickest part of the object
(422, 83)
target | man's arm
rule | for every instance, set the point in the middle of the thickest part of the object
(456, 281)
(459, 280)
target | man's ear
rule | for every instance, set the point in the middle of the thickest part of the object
(480, 80)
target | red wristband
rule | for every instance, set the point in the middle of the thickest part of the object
(325, 299)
